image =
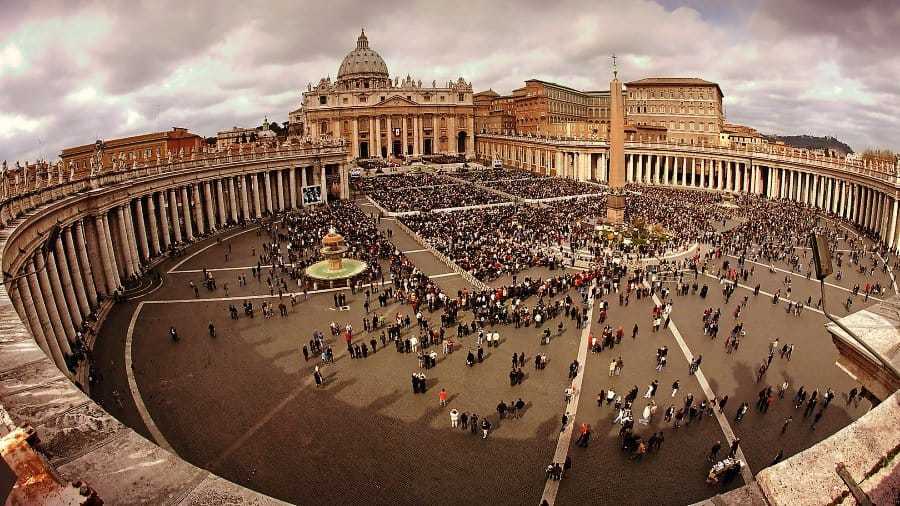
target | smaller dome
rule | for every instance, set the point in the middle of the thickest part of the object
(362, 61)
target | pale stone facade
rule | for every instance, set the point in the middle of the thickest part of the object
(690, 108)
(380, 117)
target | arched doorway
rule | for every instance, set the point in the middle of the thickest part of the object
(427, 149)
(396, 148)
(461, 139)
(364, 149)
(384, 151)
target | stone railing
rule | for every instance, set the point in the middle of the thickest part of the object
(868, 451)
(18, 199)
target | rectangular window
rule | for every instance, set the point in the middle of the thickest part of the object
(462, 97)
(323, 100)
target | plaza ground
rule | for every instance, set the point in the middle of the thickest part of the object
(243, 404)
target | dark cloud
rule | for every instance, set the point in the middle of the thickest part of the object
(821, 67)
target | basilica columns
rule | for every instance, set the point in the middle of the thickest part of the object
(354, 138)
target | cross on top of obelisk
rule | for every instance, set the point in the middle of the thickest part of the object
(615, 70)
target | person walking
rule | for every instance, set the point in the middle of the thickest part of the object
(714, 451)
(734, 447)
(442, 397)
(674, 388)
(784, 426)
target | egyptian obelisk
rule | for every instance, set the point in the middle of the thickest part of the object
(615, 202)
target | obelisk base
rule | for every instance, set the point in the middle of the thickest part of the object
(615, 209)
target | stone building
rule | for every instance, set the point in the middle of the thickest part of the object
(236, 135)
(483, 101)
(381, 117)
(740, 135)
(690, 108)
(680, 109)
(142, 148)
(546, 108)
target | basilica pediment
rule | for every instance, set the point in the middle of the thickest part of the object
(396, 100)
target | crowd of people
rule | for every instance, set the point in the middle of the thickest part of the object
(544, 188)
(427, 197)
(493, 243)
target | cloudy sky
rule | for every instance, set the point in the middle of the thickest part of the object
(75, 71)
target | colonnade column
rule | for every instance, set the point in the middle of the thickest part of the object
(232, 199)
(32, 297)
(257, 201)
(65, 280)
(186, 214)
(267, 183)
(154, 231)
(173, 212)
(125, 248)
(198, 209)
(162, 205)
(279, 186)
(132, 238)
(48, 296)
(87, 272)
(66, 249)
(141, 228)
(59, 296)
(220, 204)
(107, 257)
(210, 206)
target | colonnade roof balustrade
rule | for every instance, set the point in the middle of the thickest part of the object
(884, 171)
(40, 188)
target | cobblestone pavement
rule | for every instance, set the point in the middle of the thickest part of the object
(243, 405)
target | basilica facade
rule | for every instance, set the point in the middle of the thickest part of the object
(380, 117)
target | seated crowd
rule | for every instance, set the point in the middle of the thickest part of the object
(546, 187)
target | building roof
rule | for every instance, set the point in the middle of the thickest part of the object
(175, 133)
(555, 85)
(486, 93)
(362, 61)
(674, 81)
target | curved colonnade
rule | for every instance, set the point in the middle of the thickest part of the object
(69, 249)
(865, 194)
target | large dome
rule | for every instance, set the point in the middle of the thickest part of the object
(362, 62)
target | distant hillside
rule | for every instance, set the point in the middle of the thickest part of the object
(812, 142)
